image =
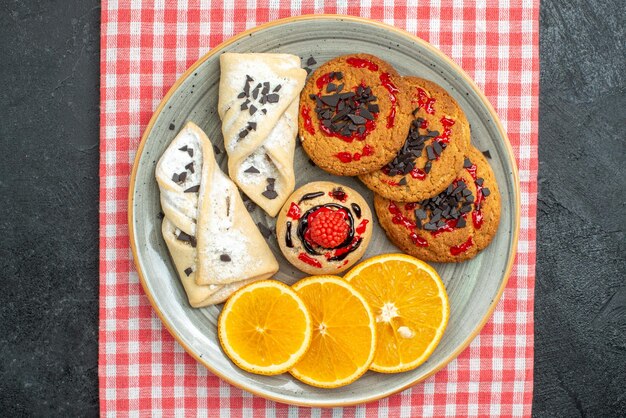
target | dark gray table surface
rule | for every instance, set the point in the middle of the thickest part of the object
(49, 92)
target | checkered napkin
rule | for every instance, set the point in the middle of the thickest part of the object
(147, 45)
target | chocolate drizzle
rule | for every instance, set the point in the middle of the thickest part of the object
(288, 240)
(357, 210)
(310, 196)
(353, 246)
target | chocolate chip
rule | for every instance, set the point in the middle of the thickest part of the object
(339, 75)
(183, 149)
(252, 125)
(308, 70)
(250, 206)
(190, 167)
(264, 111)
(252, 169)
(277, 88)
(414, 112)
(311, 61)
(265, 231)
(486, 191)
(331, 87)
(175, 177)
(271, 180)
(182, 176)
(430, 153)
(243, 134)
(190, 152)
(486, 153)
(330, 100)
(225, 258)
(188, 271)
(430, 226)
(402, 182)
(266, 88)
(359, 120)
(193, 189)
(432, 134)
(273, 98)
(479, 181)
(241, 95)
(183, 236)
(460, 223)
(366, 113)
(339, 88)
(244, 105)
(172, 127)
(255, 92)
(467, 163)
(437, 147)
(253, 110)
(270, 194)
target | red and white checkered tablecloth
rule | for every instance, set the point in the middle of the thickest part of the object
(147, 45)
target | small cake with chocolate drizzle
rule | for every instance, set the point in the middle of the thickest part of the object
(324, 228)
(452, 226)
(434, 149)
(354, 115)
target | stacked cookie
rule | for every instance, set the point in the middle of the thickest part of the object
(408, 140)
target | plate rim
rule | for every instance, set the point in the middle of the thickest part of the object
(470, 82)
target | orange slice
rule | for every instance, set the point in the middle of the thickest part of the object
(344, 339)
(265, 328)
(411, 307)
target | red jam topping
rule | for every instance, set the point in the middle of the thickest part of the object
(461, 248)
(477, 214)
(418, 174)
(417, 240)
(338, 194)
(308, 124)
(341, 251)
(362, 63)
(304, 257)
(400, 219)
(322, 81)
(445, 136)
(344, 157)
(347, 157)
(362, 226)
(385, 79)
(294, 211)
(389, 182)
(425, 102)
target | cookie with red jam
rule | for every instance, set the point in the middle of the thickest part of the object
(324, 228)
(354, 115)
(434, 149)
(453, 226)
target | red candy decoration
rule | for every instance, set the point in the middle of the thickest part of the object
(328, 228)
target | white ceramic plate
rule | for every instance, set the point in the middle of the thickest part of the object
(474, 287)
